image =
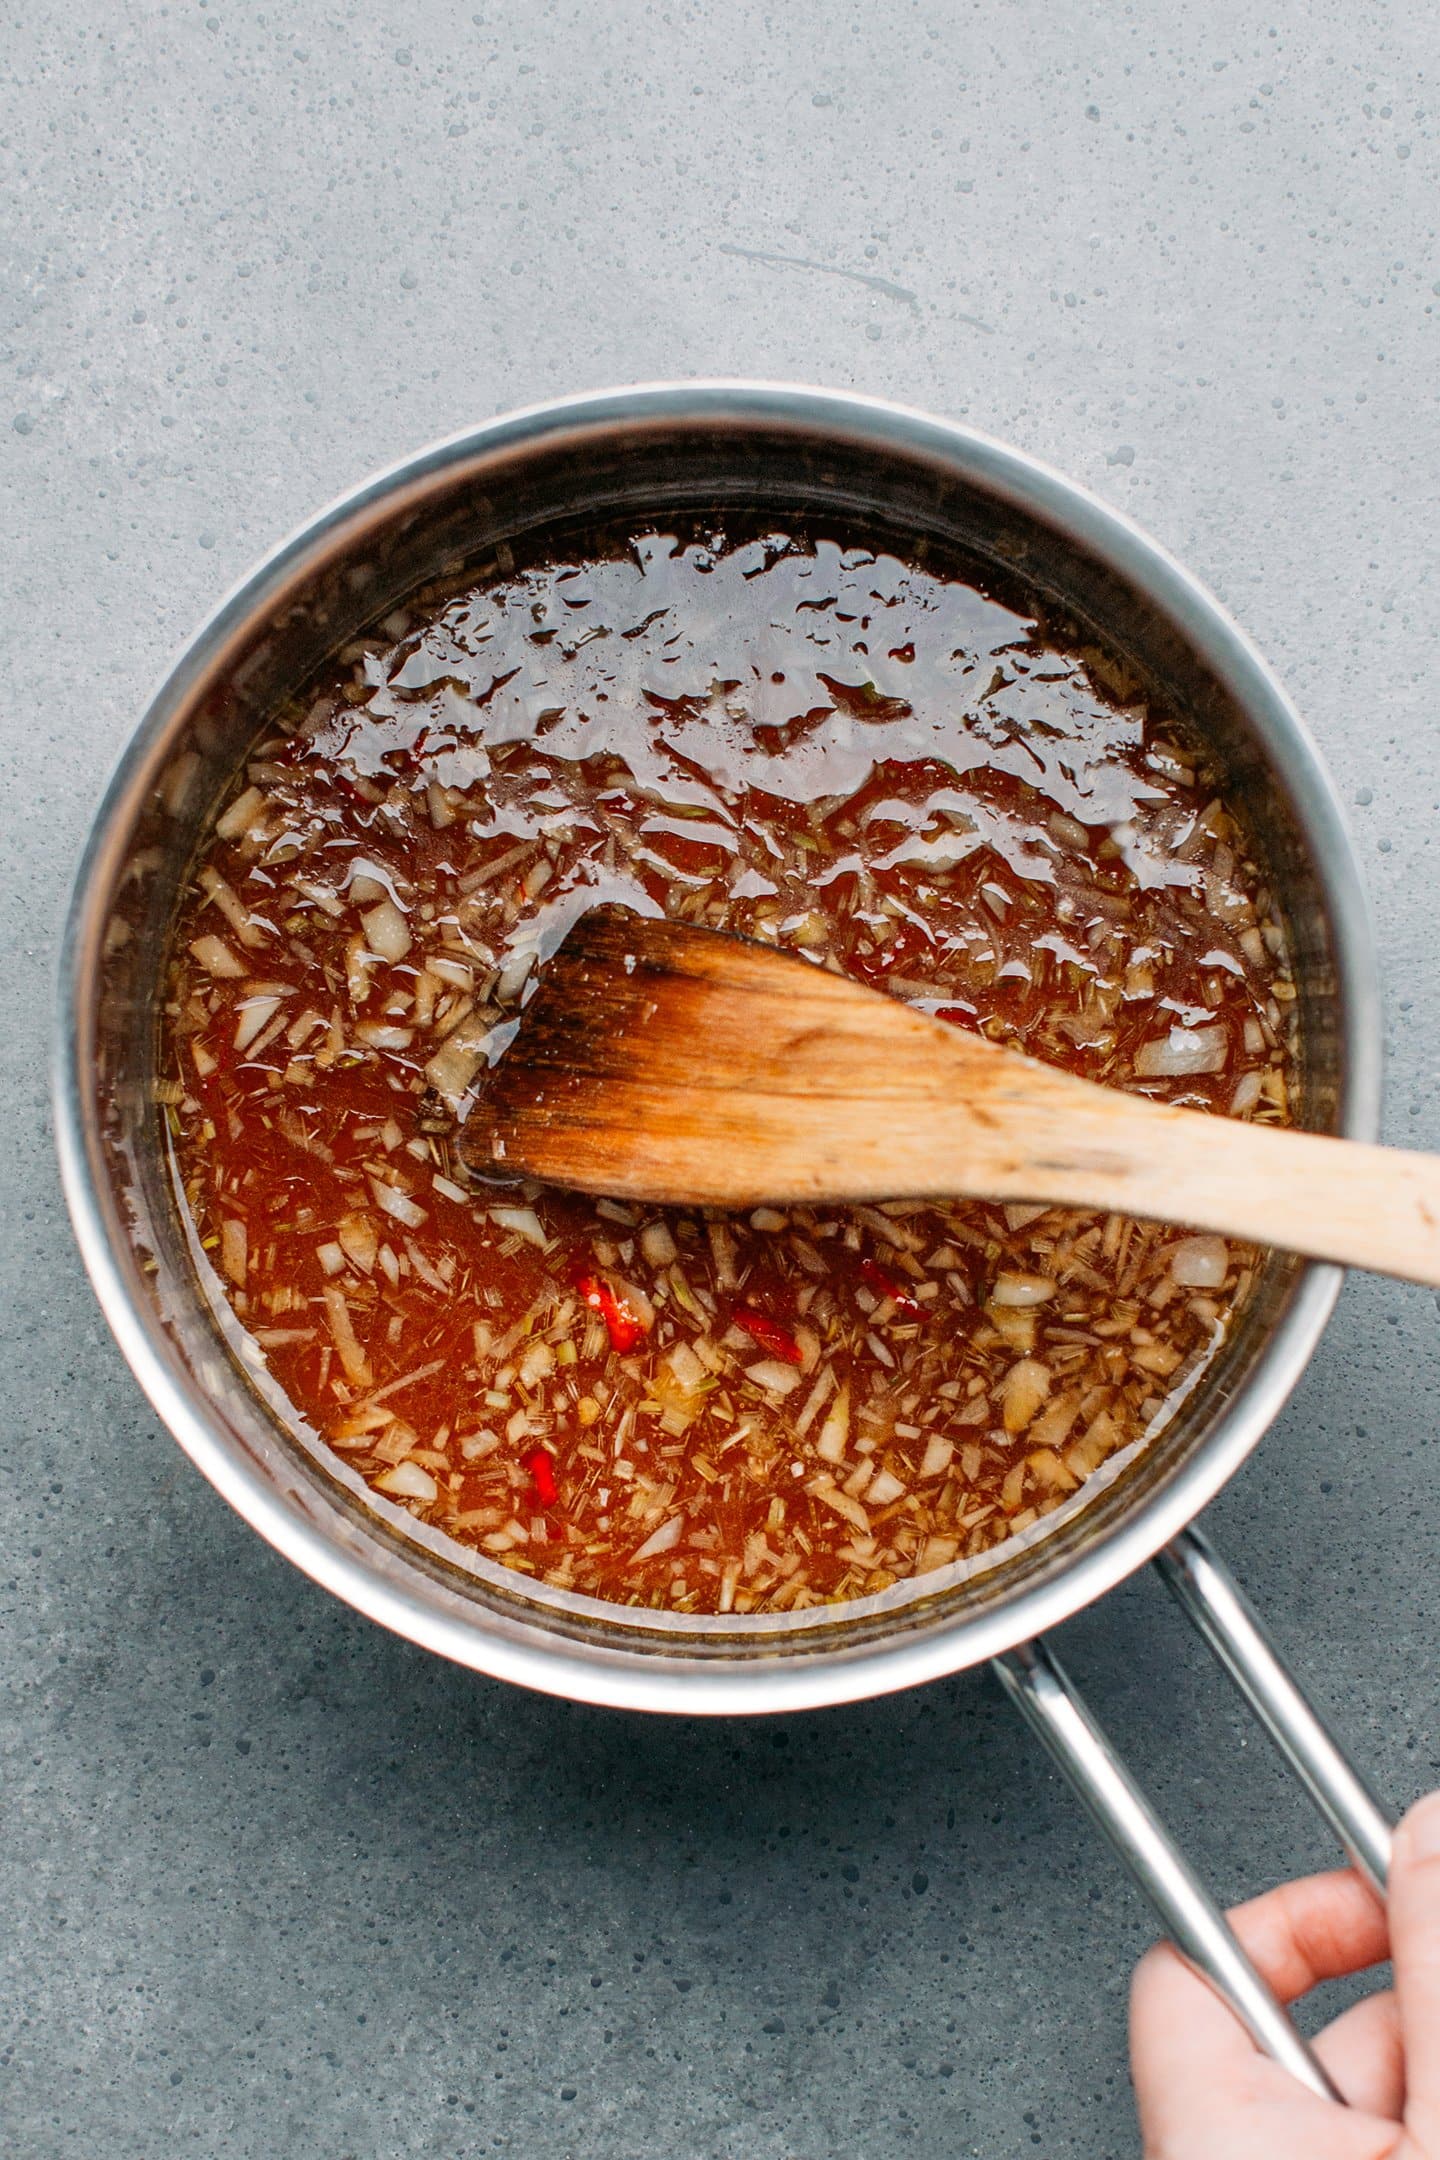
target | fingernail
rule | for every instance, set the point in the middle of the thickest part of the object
(1421, 1829)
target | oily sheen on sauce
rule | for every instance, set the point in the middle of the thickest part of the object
(871, 758)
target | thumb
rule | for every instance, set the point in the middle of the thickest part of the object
(1415, 1952)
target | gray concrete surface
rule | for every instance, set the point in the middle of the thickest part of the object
(274, 1883)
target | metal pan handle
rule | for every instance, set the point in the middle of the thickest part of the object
(1034, 1680)
(1208, 1594)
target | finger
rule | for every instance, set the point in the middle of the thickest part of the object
(1364, 2054)
(1187, 2049)
(1318, 1928)
(1187, 2053)
(1184, 2039)
(1415, 1947)
(1203, 2089)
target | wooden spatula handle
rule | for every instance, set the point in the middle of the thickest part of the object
(1369, 1207)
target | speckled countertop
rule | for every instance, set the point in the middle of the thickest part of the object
(272, 1882)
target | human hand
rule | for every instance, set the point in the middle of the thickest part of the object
(1205, 2092)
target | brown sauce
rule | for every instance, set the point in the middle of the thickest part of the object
(869, 761)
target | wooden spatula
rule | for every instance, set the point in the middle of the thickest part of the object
(663, 1063)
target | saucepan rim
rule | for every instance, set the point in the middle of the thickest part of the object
(417, 1603)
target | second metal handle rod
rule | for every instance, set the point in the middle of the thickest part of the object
(1211, 1598)
(1035, 1682)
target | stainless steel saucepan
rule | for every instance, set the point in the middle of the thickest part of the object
(653, 452)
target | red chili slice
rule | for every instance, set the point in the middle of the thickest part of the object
(770, 1335)
(626, 1327)
(542, 1470)
(884, 1284)
(411, 756)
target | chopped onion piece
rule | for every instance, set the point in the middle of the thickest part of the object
(398, 1204)
(687, 1368)
(521, 1222)
(828, 1492)
(1200, 1263)
(634, 1301)
(460, 1056)
(233, 1244)
(178, 780)
(814, 1402)
(809, 1346)
(242, 816)
(215, 956)
(1025, 1387)
(358, 963)
(387, 934)
(722, 1253)
(1248, 1090)
(658, 1245)
(665, 1539)
(514, 975)
(1052, 1427)
(422, 1267)
(1181, 1052)
(1019, 1214)
(1050, 1470)
(938, 1451)
(322, 895)
(537, 1364)
(1023, 1289)
(252, 1015)
(408, 1482)
(835, 1432)
(1068, 830)
(232, 907)
(774, 1375)
(680, 1384)
(352, 1358)
(358, 1240)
